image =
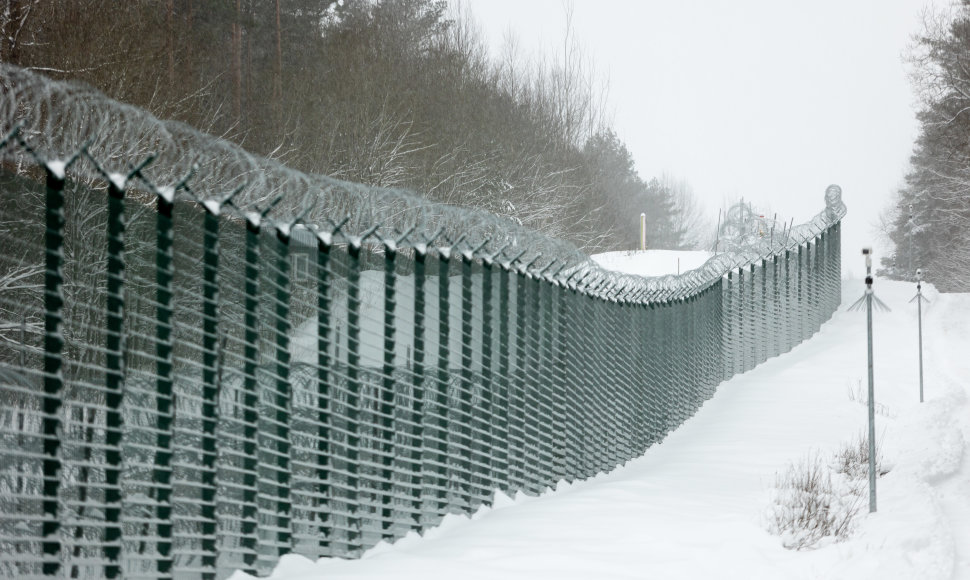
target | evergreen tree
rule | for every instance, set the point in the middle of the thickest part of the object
(930, 224)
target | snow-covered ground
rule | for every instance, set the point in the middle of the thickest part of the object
(652, 262)
(695, 505)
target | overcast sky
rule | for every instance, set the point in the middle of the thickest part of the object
(771, 100)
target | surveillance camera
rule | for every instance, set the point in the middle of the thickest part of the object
(919, 272)
(866, 251)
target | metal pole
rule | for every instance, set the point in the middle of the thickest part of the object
(717, 232)
(872, 405)
(643, 231)
(919, 310)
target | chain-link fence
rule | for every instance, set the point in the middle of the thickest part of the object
(190, 384)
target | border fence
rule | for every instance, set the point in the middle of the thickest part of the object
(193, 383)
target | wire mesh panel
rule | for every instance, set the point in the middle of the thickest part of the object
(194, 381)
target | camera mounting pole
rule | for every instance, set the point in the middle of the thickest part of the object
(919, 299)
(868, 299)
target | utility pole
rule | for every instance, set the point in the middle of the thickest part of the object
(643, 232)
(868, 299)
(919, 299)
(872, 402)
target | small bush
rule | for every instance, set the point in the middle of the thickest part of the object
(812, 503)
(852, 460)
(859, 394)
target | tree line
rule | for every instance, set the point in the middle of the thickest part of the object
(929, 221)
(391, 93)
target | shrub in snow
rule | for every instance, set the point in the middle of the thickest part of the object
(812, 503)
(852, 460)
(859, 394)
(816, 502)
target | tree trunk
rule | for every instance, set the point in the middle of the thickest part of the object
(278, 76)
(170, 42)
(237, 62)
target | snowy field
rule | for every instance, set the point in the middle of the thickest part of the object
(652, 262)
(696, 505)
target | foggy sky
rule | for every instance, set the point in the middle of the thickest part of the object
(770, 100)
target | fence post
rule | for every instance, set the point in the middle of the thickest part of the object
(164, 397)
(557, 380)
(353, 402)
(114, 375)
(764, 315)
(325, 492)
(422, 448)
(249, 542)
(210, 386)
(502, 397)
(571, 383)
(387, 396)
(802, 303)
(791, 302)
(517, 437)
(442, 398)
(282, 397)
(727, 313)
(752, 317)
(776, 310)
(53, 373)
(466, 424)
(743, 321)
(541, 376)
(486, 414)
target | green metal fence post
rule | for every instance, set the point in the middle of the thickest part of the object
(164, 398)
(730, 327)
(759, 300)
(354, 540)
(503, 434)
(423, 449)
(612, 385)
(490, 475)
(442, 395)
(571, 383)
(53, 373)
(210, 387)
(815, 280)
(517, 413)
(249, 542)
(541, 375)
(282, 398)
(387, 403)
(776, 310)
(802, 301)
(790, 304)
(419, 455)
(751, 321)
(651, 380)
(466, 427)
(114, 376)
(555, 301)
(324, 396)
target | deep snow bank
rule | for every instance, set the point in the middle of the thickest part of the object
(693, 507)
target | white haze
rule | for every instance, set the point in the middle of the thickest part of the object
(771, 101)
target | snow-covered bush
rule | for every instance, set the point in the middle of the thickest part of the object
(812, 504)
(815, 502)
(852, 460)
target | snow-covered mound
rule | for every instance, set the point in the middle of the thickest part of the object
(651, 262)
(694, 506)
